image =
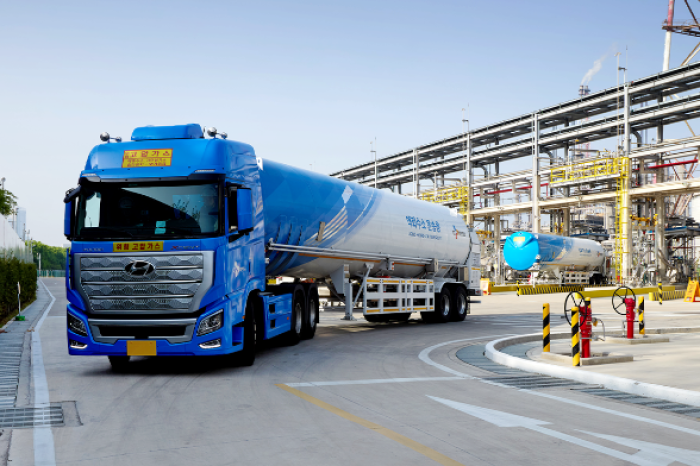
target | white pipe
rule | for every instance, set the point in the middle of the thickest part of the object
(667, 42)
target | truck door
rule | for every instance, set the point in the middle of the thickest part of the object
(239, 213)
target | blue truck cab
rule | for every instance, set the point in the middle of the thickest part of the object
(167, 252)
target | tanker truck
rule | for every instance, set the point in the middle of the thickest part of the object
(556, 259)
(179, 240)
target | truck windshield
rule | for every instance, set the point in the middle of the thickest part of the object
(147, 210)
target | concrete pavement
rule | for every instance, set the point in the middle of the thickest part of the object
(367, 394)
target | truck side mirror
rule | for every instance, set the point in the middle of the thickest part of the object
(68, 220)
(69, 201)
(244, 204)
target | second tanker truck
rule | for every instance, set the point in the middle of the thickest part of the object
(556, 259)
(177, 241)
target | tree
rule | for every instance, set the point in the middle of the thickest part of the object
(52, 257)
(8, 202)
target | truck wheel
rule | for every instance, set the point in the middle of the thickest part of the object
(246, 357)
(119, 363)
(296, 319)
(443, 305)
(311, 315)
(460, 304)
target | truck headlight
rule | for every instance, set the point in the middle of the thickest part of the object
(76, 325)
(211, 324)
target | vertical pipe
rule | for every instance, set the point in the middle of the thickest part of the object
(625, 212)
(660, 238)
(416, 175)
(470, 178)
(667, 42)
(536, 174)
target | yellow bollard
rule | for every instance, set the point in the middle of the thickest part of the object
(641, 315)
(545, 328)
(661, 294)
(575, 338)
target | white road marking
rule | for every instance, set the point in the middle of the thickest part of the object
(663, 454)
(650, 454)
(44, 451)
(371, 381)
(425, 357)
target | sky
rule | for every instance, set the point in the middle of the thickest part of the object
(307, 83)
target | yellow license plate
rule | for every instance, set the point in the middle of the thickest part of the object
(141, 348)
(138, 246)
(147, 158)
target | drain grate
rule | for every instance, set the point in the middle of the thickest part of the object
(678, 408)
(534, 382)
(474, 355)
(18, 418)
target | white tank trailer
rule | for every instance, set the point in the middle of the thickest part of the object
(320, 227)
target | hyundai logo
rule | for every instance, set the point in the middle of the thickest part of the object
(137, 268)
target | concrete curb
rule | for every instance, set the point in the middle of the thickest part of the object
(610, 382)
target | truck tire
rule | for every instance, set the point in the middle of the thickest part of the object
(443, 305)
(296, 319)
(119, 363)
(246, 357)
(460, 304)
(311, 315)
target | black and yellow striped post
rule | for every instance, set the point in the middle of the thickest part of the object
(641, 315)
(517, 284)
(545, 328)
(661, 293)
(575, 338)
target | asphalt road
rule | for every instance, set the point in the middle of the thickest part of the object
(357, 394)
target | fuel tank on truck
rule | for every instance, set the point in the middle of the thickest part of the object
(524, 250)
(303, 208)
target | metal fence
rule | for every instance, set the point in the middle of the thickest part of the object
(50, 273)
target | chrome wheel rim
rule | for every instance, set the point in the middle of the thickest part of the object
(297, 318)
(312, 313)
(462, 305)
(445, 305)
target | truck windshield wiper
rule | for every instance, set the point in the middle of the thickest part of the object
(185, 231)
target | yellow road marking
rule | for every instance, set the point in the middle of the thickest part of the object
(405, 441)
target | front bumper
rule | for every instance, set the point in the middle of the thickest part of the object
(231, 340)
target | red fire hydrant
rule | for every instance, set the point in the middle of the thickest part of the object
(586, 327)
(630, 305)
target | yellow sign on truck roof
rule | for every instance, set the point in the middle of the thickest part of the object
(147, 158)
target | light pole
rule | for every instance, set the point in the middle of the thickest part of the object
(466, 175)
(372, 150)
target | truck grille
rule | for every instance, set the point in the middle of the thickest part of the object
(144, 283)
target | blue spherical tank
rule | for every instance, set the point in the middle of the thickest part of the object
(524, 250)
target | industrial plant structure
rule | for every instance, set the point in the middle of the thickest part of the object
(634, 198)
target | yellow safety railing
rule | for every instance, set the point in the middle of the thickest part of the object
(452, 194)
(590, 168)
(449, 194)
